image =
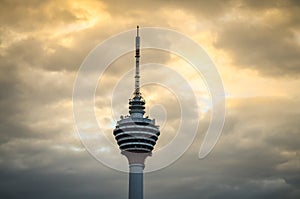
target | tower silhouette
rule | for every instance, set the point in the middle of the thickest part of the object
(135, 134)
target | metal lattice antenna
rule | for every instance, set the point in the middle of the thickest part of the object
(137, 62)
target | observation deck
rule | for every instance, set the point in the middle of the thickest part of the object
(136, 133)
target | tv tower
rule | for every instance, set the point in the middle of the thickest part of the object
(136, 135)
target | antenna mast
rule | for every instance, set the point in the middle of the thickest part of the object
(137, 62)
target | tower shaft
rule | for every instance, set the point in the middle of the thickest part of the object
(136, 187)
(136, 168)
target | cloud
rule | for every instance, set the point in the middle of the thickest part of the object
(269, 50)
(32, 15)
(42, 46)
(244, 164)
(268, 43)
(38, 169)
(205, 8)
(245, 160)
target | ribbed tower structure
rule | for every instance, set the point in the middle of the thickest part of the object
(135, 134)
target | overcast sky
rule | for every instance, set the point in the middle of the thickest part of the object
(255, 46)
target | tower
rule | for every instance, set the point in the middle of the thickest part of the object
(135, 134)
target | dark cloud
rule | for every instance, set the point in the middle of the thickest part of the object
(244, 163)
(265, 4)
(270, 50)
(39, 171)
(267, 45)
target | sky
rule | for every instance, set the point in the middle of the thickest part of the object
(255, 45)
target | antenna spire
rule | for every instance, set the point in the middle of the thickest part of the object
(137, 62)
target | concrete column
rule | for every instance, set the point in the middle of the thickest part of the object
(136, 181)
(136, 167)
